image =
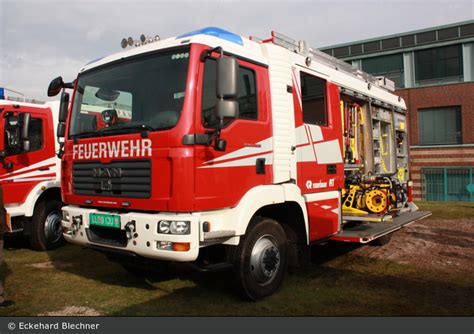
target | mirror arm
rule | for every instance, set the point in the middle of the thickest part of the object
(6, 164)
(60, 151)
(69, 85)
(219, 144)
(206, 53)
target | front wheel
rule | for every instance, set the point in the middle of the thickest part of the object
(261, 259)
(46, 229)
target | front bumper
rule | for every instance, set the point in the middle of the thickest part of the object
(145, 238)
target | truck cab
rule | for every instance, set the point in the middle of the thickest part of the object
(29, 171)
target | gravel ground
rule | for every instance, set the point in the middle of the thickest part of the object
(447, 245)
(73, 311)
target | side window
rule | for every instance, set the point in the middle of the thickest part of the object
(35, 135)
(247, 94)
(247, 98)
(313, 95)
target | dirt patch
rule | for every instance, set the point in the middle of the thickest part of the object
(69, 311)
(51, 265)
(447, 245)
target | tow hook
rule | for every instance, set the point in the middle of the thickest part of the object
(130, 230)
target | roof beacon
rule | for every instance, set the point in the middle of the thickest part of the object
(143, 40)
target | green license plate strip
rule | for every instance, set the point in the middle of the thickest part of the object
(100, 219)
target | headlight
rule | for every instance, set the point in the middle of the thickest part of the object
(164, 227)
(66, 215)
(179, 228)
(174, 227)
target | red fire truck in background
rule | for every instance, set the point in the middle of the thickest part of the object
(29, 171)
(226, 151)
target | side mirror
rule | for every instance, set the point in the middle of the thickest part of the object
(109, 116)
(63, 107)
(227, 92)
(227, 109)
(24, 125)
(61, 130)
(227, 74)
(227, 88)
(25, 145)
(55, 86)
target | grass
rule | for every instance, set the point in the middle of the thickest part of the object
(449, 210)
(336, 283)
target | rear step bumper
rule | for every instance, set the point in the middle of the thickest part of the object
(364, 232)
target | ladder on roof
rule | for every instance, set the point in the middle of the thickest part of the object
(302, 48)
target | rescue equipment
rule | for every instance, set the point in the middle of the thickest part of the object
(372, 195)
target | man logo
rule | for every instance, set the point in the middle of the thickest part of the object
(309, 184)
(106, 172)
(106, 185)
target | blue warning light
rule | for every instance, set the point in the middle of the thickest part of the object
(216, 32)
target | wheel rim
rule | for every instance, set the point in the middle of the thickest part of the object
(265, 260)
(52, 227)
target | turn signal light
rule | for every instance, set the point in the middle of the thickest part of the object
(181, 246)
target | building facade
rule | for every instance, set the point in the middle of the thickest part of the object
(433, 70)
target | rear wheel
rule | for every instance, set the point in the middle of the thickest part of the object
(46, 230)
(261, 259)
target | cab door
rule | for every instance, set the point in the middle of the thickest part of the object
(20, 171)
(319, 152)
(222, 178)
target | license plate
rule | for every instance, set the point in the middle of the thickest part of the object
(99, 219)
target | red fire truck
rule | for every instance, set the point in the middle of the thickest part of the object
(220, 150)
(29, 171)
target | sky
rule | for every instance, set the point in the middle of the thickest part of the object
(40, 40)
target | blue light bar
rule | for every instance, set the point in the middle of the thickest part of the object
(216, 32)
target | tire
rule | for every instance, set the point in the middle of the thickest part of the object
(46, 230)
(261, 259)
(381, 241)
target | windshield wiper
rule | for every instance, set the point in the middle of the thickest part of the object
(127, 127)
(86, 134)
(114, 129)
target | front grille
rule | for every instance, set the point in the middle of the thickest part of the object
(116, 179)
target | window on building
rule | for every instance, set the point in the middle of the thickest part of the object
(447, 184)
(247, 97)
(390, 66)
(440, 126)
(441, 64)
(313, 94)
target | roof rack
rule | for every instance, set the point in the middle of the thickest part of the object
(302, 48)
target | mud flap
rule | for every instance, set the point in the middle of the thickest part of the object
(364, 232)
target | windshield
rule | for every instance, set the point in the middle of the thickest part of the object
(145, 93)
